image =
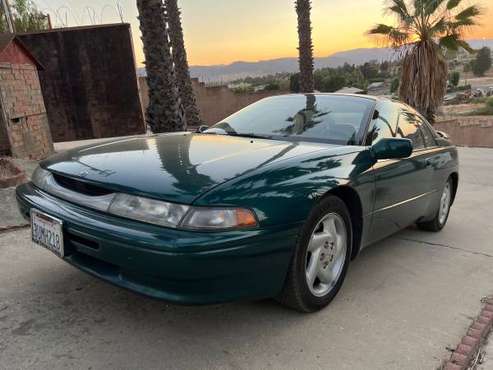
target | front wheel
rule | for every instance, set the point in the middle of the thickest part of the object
(321, 259)
(441, 216)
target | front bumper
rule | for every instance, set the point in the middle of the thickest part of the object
(175, 265)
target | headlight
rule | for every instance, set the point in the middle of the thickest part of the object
(147, 210)
(40, 177)
(180, 216)
(150, 210)
(216, 218)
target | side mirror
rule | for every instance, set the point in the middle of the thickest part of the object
(392, 149)
(202, 128)
(442, 134)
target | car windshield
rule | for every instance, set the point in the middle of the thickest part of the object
(334, 119)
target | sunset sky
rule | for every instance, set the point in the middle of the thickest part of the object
(223, 31)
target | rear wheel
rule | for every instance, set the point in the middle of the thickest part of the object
(321, 259)
(443, 211)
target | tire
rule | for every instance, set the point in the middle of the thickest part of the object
(328, 219)
(440, 219)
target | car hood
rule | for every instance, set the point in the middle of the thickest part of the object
(174, 167)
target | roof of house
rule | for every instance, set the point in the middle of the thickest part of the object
(7, 38)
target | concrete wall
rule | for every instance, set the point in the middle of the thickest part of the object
(215, 103)
(473, 131)
(23, 115)
(89, 81)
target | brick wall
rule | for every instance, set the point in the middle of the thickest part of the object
(215, 103)
(89, 81)
(23, 113)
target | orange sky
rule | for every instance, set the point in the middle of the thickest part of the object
(223, 31)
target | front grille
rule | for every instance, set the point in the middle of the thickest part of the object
(80, 186)
(79, 241)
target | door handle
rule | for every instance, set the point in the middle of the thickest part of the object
(428, 162)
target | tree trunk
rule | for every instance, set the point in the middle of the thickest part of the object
(424, 78)
(164, 110)
(181, 64)
(303, 8)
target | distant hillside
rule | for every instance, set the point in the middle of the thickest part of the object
(238, 70)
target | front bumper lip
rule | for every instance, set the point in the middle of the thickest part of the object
(175, 265)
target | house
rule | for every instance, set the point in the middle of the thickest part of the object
(24, 129)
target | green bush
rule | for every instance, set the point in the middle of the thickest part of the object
(394, 86)
(489, 102)
(454, 78)
(486, 110)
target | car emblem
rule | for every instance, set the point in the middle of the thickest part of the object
(84, 174)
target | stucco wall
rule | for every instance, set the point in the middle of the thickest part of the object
(89, 81)
(473, 131)
(215, 103)
(23, 114)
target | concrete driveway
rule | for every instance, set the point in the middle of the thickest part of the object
(405, 300)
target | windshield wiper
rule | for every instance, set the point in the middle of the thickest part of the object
(249, 135)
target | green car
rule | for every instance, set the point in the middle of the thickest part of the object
(273, 201)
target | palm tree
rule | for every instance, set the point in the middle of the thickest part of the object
(164, 110)
(303, 8)
(181, 64)
(424, 29)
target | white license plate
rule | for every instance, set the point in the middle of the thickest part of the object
(47, 232)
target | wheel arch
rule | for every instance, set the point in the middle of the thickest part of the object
(352, 201)
(455, 182)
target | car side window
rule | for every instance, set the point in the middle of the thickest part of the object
(409, 128)
(427, 133)
(385, 125)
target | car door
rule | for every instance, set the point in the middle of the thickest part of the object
(438, 158)
(402, 186)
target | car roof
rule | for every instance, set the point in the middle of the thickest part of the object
(362, 96)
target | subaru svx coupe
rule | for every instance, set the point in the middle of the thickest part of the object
(272, 202)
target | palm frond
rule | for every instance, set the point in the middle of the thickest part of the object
(419, 7)
(469, 12)
(395, 36)
(451, 4)
(450, 42)
(381, 29)
(454, 42)
(431, 6)
(466, 22)
(399, 7)
(465, 45)
(439, 26)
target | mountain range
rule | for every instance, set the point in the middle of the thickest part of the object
(237, 70)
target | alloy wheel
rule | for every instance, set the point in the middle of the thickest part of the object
(445, 203)
(326, 254)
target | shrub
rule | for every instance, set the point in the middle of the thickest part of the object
(454, 78)
(486, 110)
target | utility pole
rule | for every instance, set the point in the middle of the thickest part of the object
(8, 15)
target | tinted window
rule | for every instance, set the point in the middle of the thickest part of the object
(328, 118)
(427, 133)
(385, 126)
(409, 128)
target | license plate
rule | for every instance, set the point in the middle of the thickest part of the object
(47, 232)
